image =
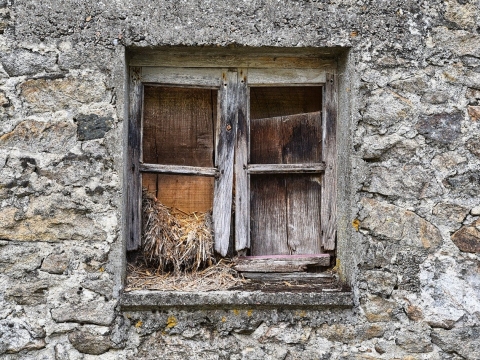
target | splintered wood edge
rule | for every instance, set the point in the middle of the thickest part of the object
(296, 263)
(297, 276)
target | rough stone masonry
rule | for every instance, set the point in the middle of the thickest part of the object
(414, 180)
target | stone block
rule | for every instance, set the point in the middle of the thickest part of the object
(16, 259)
(46, 220)
(55, 263)
(43, 95)
(462, 341)
(17, 335)
(473, 145)
(384, 109)
(38, 136)
(407, 181)
(393, 223)
(92, 126)
(443, 128)
(88, 342)
(467, 239)
(4, 101)
(448, 161)
(25, 62)
(29, 293)
(435, 97)
(380, 282)
(378, 309)
(415, 340)
(461, 13)
(95, 312)
(459, 42)
(465, 184)
(451, 212)
(474, 112)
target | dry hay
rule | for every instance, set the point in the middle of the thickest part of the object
(219, 276)
(173, 241)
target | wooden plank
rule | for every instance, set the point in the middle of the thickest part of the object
(226, 138)
(285, 264)
(186, 193)
(303, 214)
(221, 58)
(203, 77)
(289, 139)
(268, 223)
(270, 76)
(286, 168)
(291, 276)
(242, 233)
(178, 126)
(275, 101)
(329, 156)
(132, 171)
(178, 169)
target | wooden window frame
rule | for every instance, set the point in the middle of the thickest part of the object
(232, 79)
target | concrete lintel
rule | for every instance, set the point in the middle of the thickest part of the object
(147, 299)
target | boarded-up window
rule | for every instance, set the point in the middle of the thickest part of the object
(255, 145)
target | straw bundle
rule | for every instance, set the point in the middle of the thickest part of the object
(220, 276)
(175, 241)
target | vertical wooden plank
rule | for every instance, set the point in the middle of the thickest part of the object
(292, 139)
(269, 217)
(329, 156)
(227, 129)
(303, 214)
(242, 233)
(132, 173)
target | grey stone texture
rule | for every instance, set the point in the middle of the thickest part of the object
(409, 183)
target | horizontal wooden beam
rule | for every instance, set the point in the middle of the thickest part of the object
(286, 168)
(280, 264)
(213, 59)
(295, 276)
(178, 169)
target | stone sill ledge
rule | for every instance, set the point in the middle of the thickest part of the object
(148, 299)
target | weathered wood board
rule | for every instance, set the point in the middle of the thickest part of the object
(285, 214)
(280, 264)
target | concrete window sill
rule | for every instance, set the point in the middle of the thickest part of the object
(148, 299)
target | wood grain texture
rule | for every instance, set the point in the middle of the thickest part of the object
(303, 214)
(286, 139)
(269, 102)
(268, 223)
(286, 168)
(234, 58)
(178, 126)
(291, 276)
(329, 156)
(132, 171)
(278, 264)
(178, 169)
(272, 77)
(186, 193)
(203, 77)
(242, 210)
(285, 213)
(226, 139)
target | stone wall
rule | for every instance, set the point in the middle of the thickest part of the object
(413, 180)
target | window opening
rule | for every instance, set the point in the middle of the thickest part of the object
(255, 155)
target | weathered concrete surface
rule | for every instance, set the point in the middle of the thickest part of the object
(410, 150)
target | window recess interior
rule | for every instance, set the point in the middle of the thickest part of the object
(254, 144)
